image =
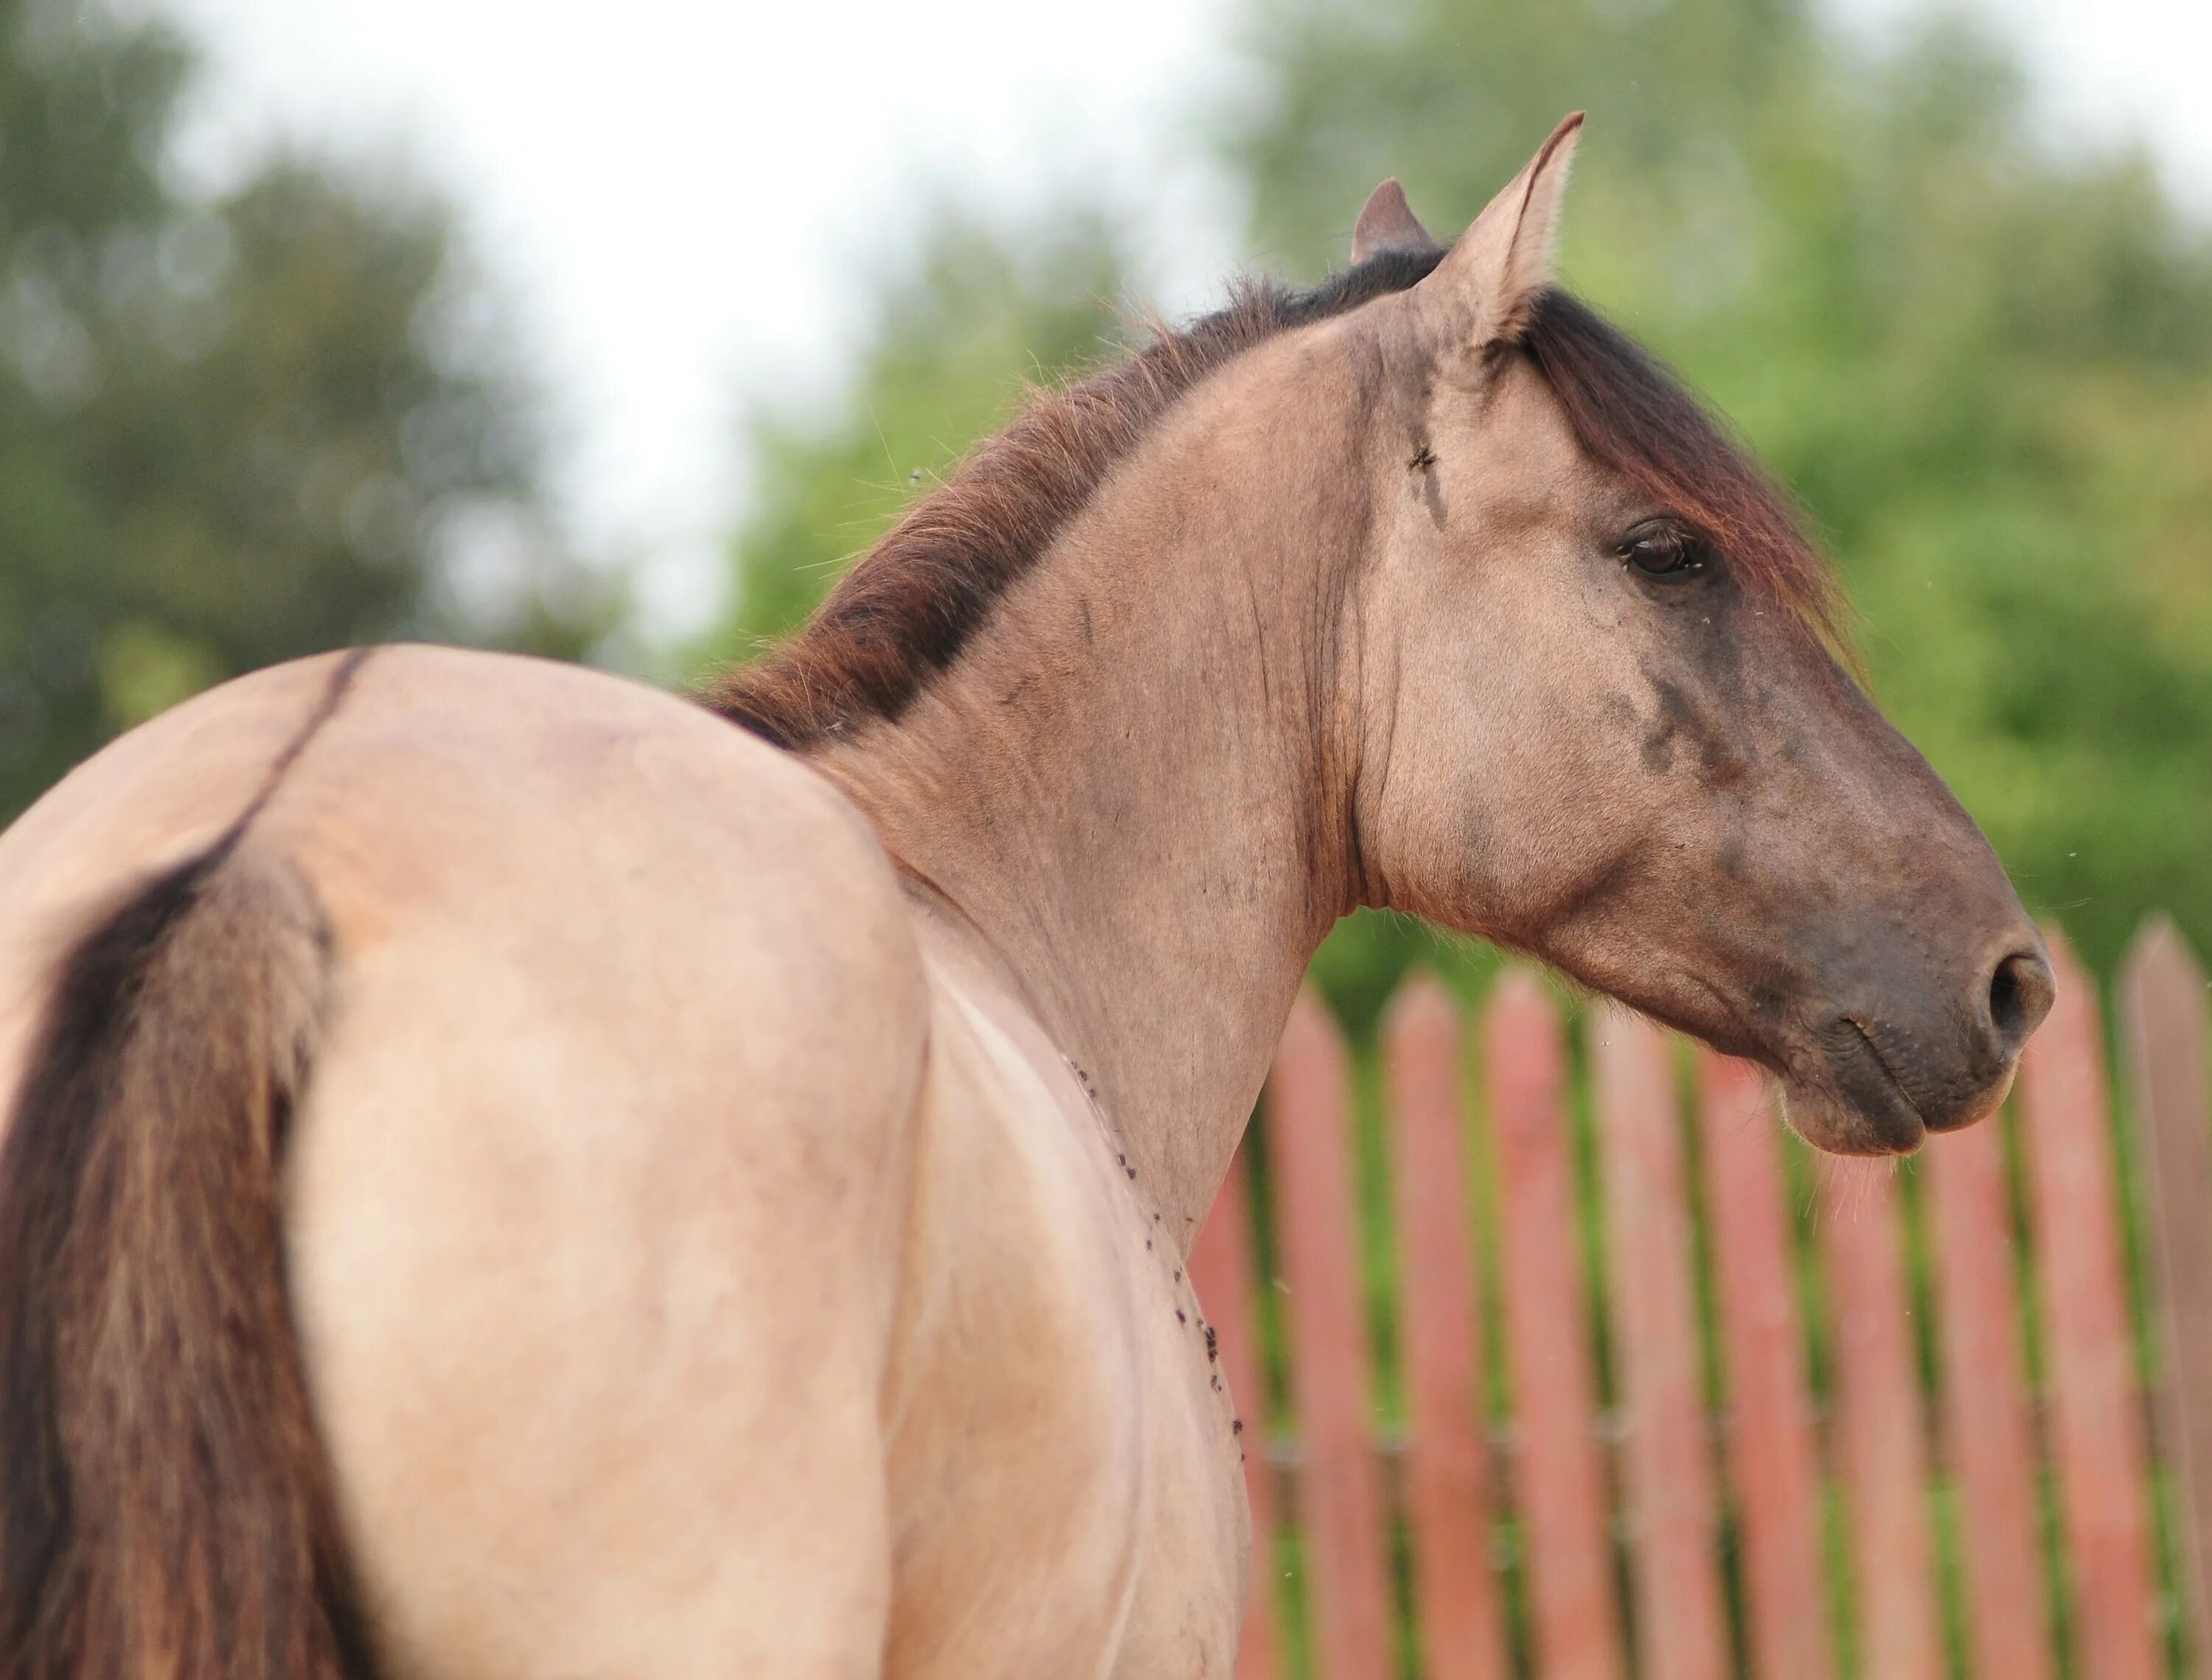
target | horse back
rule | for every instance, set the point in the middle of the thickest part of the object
(591, 1206)
(531, 805)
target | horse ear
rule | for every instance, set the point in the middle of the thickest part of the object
(1489, 283)
(1387, 223)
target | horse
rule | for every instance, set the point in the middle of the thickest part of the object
(516, 1174)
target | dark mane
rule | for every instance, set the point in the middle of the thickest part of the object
(907, 607)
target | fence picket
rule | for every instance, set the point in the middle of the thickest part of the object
(1880, 1445)
(1223, 1272)
(2096, 1417)
(1776, 1468)
(1561, 1478)
(1669, 1502)
(1986, 1404)
(1448, 1474)
(1682, 1629)
(2164, 1000)
(1340, 1496)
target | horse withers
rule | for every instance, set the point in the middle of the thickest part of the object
(515, 1174)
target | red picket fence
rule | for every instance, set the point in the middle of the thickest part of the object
(1663, 1405)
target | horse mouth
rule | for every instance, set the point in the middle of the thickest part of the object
(1849, 1100)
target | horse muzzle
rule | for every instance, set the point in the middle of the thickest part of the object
(1917, 1053)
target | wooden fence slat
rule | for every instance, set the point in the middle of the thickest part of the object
(2096, 1416)
(1224, 1273)
(1777, 1466)
(1340, 1498)
(1561, 1478)
(1682, 1626)
(1986, 1404)
(2164, 1002)
(1879, 1443)
(1448, 1493)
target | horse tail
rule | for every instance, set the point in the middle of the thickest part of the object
(165, 1503)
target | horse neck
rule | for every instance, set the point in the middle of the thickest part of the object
(1130, 784)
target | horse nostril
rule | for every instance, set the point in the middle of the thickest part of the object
(2021, 993)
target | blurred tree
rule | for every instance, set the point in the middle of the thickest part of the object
(1983, 362)
(232, 432)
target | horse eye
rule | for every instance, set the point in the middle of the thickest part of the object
(1666, 551)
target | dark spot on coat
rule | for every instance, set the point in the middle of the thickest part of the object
(1673, 718)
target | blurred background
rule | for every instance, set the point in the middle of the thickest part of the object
(612, 334)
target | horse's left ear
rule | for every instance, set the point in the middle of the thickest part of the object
(1486, 287)
(1387, 223)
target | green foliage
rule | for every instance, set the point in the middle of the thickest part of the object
(230, 433)
(1985, 364)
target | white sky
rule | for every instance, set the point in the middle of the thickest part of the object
(682, 196)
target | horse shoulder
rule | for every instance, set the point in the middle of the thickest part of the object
(1056, 1449)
